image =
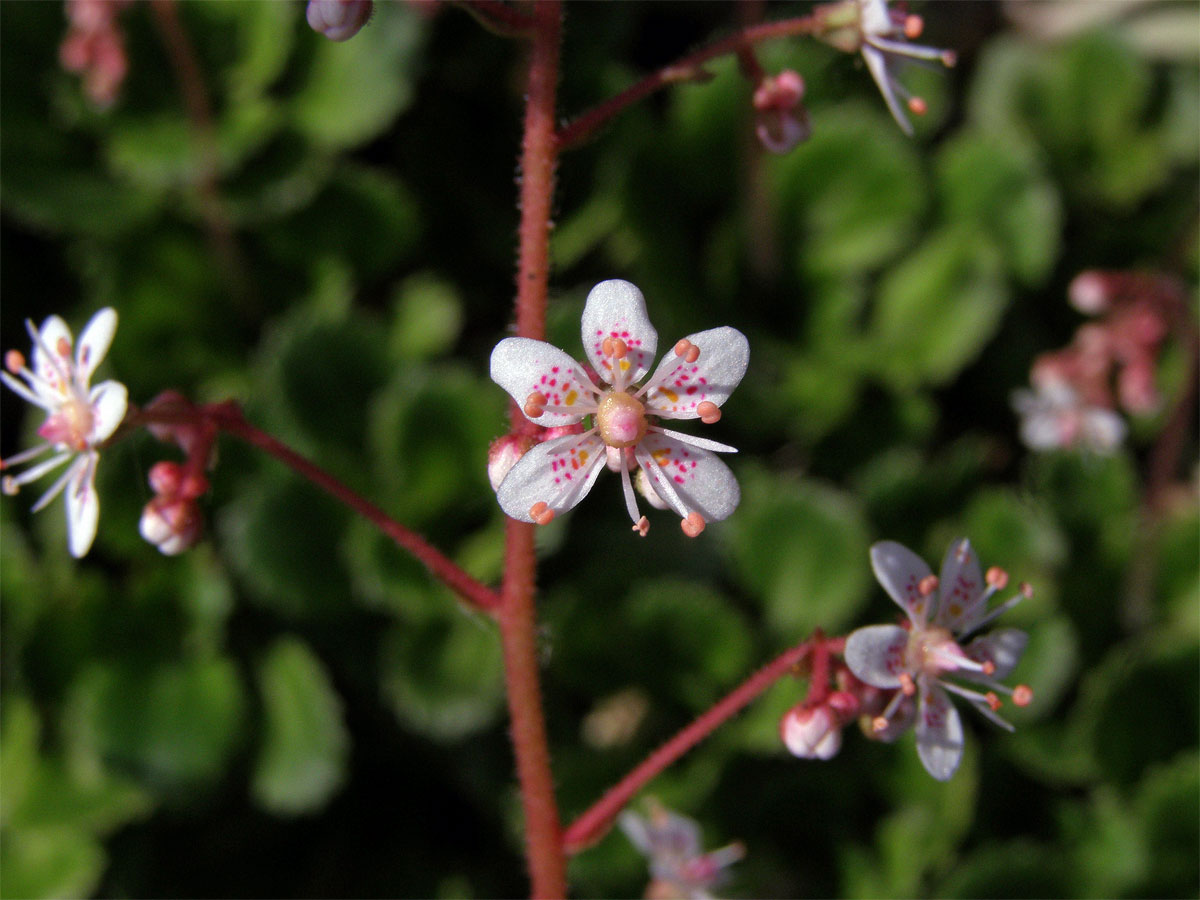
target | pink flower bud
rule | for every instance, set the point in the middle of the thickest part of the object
(503, 455)
(165, 478)
(171, 525)
(1090, 292)
(1135, 386)
(811, 733)
(781, 122)
(338, 20)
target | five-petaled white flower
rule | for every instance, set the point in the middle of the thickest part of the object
(553, 389)
(942, 611)
(1054, 416)
(78, 418)
(885, 38)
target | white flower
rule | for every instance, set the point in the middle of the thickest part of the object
(678, 865)
(1055, 416)
(885, 39)
(942, 611)
(78, 418)
(691, 382)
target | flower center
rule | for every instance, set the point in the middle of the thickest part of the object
(620, 419)
(933, 651)
(70, 425)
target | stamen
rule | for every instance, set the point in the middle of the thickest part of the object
(917, 106)
(927, 585)
(913, 26)
(992, 701)
(535, 405)
(1022, 695)
(989, 667)
(614, 347)
(907, 686)
(687, 350)
(63, 347)
(879, 723)
(1026, 589)
(541, 513)
(996, 578)
(9, 486)
(709, 412)
(642, 526)
(14, 361)
(693, 524)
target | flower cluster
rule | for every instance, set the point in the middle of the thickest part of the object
(553, 390)
(781, 120)
(678, 865)
(79, 418)
(1110, 363)
(920, 658)
(95, 47)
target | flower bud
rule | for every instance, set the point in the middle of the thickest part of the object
(781, 121)
(171, 525)
(338, 20)
(503, 455)
(814, 733)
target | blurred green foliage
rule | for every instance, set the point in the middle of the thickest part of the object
(294, 709)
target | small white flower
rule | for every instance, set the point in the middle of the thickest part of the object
(79, 418)
(942, 612)
(553, 389)
(885, 38)
(1054, 416)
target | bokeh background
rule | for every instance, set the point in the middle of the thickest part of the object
(294, 709)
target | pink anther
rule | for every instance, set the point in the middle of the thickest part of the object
(907, 686)
(14, 361)
(693, 524)
(879, 724)
(1022, 695)
(989, 668)
(642, 526)
(917, 106)
(535, 404)
(927, 585)
(1026, 589)
(63, 347)
(996, 578)
(993, 701)
(687, 350)
(913, 26)
(541, 513)
(709, 412)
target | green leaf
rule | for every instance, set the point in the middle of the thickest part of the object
(427, 319)
(802, 549)
(1020, 868)
(173, 727)
(937, 308)
(853, 192)
(19, 733)
(443, 674)
(50, 862)
(998, 181)
(355, 89)
(1168, 803)
(302, 759)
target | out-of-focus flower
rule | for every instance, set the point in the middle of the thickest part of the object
(338, 20)
(95, 47)
(678, 866)
(782, 121)
(79, 418)
(920, 659)
(554, 390)
(1055, 416)
(882, 36)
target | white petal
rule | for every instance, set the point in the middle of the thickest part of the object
(1002, 647)
(1102, 429)
(557, 472)
(47, 363)
(109, 401)
(83, 507)
(617, 309)
(678, 387)
(523, 366)
(94, 343)
(878, 64)
(637, 830)
(939, 733)
(699, 480)
(900, 571)
(875, 654)
(962, 601)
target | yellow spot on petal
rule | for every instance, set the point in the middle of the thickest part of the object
(571, 397)
(669, 394)
(662, 457)
(624, 365)
(583, 457)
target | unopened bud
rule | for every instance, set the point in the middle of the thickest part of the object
(503, 455)
(814, 733)
(165, 478)
(338, 20)
(171, 525)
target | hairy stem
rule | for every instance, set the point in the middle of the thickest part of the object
(228, 418)
(518, 617)
(686, 69)
(593, 823)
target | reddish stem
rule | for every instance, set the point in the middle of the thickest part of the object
(499, 17)
(593, 823)
(518, 619)
(229, 418)
(685, 69)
